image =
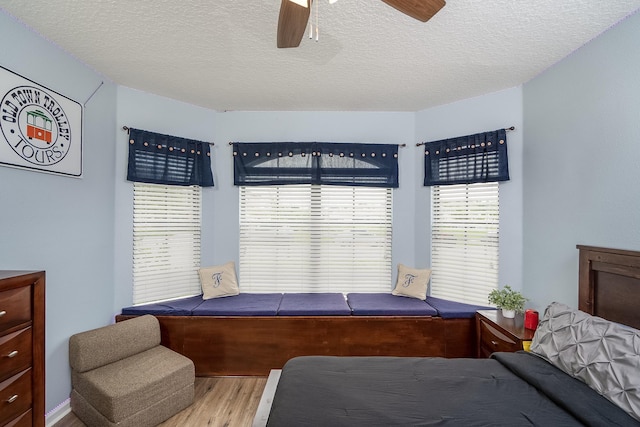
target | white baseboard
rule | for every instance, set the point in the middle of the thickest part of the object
(57, 413)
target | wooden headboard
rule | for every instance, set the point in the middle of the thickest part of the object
(609, 284)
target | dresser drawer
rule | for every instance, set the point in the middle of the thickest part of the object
(15, 307)
(15, 396)
(23, 420)
(492, 340)
(15, 352)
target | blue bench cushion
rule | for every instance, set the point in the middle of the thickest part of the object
(385, 304)
(314, 304)
(177, 307)
(455, 310)
(240, 305)
(308, 304)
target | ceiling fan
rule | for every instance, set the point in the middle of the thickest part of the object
(294, 15)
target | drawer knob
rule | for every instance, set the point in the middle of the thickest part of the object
(2, 313)
(12, 398)
(14, 353)
(494, 342)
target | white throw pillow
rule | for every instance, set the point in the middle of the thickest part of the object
(219, 281)
(412, 282)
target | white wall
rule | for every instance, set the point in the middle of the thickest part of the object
(484, 113)
(581, 161)
(59, 224)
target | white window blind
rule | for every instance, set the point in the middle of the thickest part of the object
(166, 241)
(464, 241)
(315, 238)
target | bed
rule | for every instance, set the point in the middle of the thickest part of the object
(584, 369)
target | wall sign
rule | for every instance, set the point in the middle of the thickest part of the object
(40, 129)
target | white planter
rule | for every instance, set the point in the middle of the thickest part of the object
(509, 314)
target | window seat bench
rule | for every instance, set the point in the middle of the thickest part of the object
(250, 334)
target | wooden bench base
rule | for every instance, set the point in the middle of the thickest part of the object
(222, 346)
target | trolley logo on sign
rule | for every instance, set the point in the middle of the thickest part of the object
(41, 129)
(39, 126)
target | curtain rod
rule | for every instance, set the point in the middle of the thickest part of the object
(399, 145)
(507, 129)
(127, 129)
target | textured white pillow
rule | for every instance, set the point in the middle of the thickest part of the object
(219, 281)
(412, 282)
(605, 355)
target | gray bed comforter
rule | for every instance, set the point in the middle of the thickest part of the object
(510, 389)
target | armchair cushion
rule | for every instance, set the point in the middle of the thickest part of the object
(92, 349)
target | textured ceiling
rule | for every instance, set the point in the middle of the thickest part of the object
(222, 54)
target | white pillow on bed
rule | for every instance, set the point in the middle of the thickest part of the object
(412, 282)
(219, 281)
(603, 354)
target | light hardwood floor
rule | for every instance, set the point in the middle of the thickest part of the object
(218, 402)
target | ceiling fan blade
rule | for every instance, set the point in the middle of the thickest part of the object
(422, 10)
(292, 23)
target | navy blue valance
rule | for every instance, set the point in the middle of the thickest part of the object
(481, 157)
(281, 163)
(170, 160)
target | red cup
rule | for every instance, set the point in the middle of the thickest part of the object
(530, 319)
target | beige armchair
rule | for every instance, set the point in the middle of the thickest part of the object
(122, 376)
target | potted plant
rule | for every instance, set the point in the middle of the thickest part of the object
(508, 300)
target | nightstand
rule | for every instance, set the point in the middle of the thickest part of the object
(497, 333)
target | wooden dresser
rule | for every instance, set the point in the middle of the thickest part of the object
(22, 348)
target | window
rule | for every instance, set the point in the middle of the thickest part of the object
(464, 241)
(166, 241)
(315, 238)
